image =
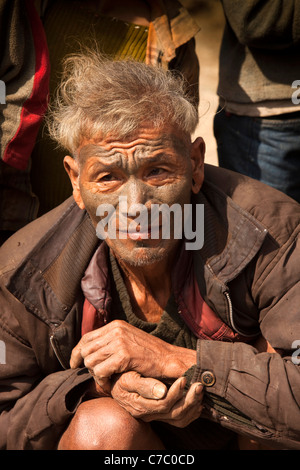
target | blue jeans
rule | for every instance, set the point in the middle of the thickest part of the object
(267, 149)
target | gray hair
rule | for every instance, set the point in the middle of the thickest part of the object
(98, 96)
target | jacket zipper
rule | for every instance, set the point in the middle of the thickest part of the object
(229, 303)
(56, 351)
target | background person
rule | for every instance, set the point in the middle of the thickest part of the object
(257, 126)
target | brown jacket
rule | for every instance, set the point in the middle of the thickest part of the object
(247, 270)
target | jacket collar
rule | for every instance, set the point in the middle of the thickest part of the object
(171, 26)
(232, 238)
(47, 280)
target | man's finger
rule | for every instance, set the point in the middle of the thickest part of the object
(146, 387)
(184, 410)
(76, 357)
(93, 341)
(103, 386)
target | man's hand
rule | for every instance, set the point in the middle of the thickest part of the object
(119, 347)
(149, 400)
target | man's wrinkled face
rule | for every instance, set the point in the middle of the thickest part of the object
(155, 166)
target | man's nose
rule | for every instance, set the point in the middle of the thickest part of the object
(138, 196)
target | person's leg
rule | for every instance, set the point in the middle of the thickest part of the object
(267, 149)
(101, 424)
(237, 144)
(279, 153)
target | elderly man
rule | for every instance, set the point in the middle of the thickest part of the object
(134, 339)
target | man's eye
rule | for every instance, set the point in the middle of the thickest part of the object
(106, 178)
(156, 172)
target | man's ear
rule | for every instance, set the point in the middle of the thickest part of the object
(197, 157)
(71, 167)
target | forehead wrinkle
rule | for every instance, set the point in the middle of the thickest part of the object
(103, 156)
(92, 150)
(115, 152)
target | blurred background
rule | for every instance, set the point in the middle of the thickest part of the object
(210, 17)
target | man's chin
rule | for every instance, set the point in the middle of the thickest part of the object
(140, 253)
(143, 256)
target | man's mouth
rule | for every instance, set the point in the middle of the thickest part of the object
(138, 234)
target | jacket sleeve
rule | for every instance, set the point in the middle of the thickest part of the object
(264, 24)
(263, 388)
(35, 407)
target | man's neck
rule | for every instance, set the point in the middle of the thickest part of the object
(149, 288)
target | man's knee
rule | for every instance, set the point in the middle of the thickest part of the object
(102, 424)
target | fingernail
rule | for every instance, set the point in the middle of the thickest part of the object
(199, 389)
(159, 390)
